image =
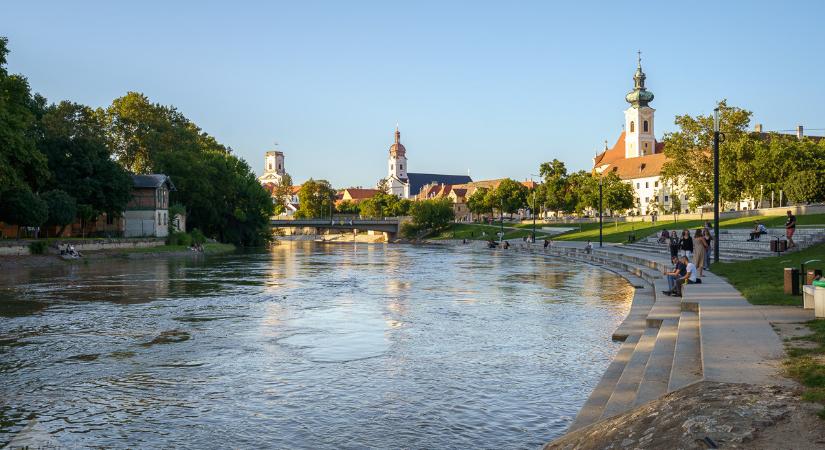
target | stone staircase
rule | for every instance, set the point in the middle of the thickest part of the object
(660, 353)
(711, 333)
(735, 245)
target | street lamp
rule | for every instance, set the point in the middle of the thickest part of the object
(716, 184)
(501, 221)
(600, 211)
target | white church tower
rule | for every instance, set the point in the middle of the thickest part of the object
(398, 158)
(274, 170)
(639, 139)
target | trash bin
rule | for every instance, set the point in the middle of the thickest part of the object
(810, 274)
(791, 281)
(779, 245)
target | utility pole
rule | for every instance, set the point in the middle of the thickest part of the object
(716, 185)
(501, 221)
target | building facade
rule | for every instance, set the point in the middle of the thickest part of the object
(274, 170)
(147, 213)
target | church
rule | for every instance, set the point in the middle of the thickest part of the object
(636, 157)
(274, 171)
(405, 184)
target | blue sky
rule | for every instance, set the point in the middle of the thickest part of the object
(494, 87)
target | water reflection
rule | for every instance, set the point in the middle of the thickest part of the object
(306, 346)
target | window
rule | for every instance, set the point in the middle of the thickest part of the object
(647, 184)
(655, 184)
(638, 186)
(644, 126)
(159, 222)
(401, 167)
(667, 199)
(279, 167)
(110, 219)
(647, 199)
(632, 126)
(270, 166)
(687, 198)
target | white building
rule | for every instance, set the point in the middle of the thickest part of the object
(147, 213)
(404, 184)
(636, 157)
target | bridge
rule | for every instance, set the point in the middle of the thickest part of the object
(390, 226)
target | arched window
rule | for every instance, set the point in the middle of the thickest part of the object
(632, 126)
(644, 126)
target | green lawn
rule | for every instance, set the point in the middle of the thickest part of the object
(761, 281)
(805, 363)
(620, 232)
(473, 231)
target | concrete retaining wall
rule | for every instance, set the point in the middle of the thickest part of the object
(18, 248)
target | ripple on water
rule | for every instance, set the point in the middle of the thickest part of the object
(307, 347)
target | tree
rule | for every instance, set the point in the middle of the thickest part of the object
(805, 187)
(556, 186)
(477, 202)
(511, 195)
(433, 214)
(281, 193)
(73, 138)
(315, 199)
(347, 207)
(21, 164)
(220, 192)
(383, 185)
(384, 205)
(23, 208)
(690, 156)
(62, 209)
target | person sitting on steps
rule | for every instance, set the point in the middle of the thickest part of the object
(674, 275)
(758, 230)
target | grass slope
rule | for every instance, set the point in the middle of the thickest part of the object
(761, 281)
(620, 232)
(806, 364)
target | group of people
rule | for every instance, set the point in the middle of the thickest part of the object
(70, 252)
(683, 272)
(696, 248)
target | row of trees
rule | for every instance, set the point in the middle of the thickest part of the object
(66, 161)
(750, 164)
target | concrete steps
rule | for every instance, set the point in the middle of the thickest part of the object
(594, 407)
(624, 393)
(687, 358)
(656, 376)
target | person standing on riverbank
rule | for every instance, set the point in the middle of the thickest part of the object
(700, 248)
(790, 229)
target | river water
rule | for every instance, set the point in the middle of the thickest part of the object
(306, 346)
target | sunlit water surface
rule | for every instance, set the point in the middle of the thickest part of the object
(306, 346)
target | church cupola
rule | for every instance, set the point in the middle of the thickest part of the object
(398, 158)
(639, 137)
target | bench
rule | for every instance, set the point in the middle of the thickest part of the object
(813, 297)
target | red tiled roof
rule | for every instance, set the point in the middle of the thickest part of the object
(360, 193)
(639, 167)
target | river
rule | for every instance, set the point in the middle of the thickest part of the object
(305, 346)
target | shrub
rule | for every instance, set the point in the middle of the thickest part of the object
(179, 238)
(37, 247)
(197, 236)
(410, 230)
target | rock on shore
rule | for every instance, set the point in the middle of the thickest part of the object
(708, 415)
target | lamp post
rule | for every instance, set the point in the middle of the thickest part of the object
(716, 185)
(501, 221)
(600, 211)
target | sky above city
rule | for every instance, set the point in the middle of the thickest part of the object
(495, 88)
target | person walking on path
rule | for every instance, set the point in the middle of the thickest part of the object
(700, 248)
(686, 244)
(790, 229)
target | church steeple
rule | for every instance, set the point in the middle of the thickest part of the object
(639, 96)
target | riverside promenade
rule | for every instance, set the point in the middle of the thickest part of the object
(712, 334)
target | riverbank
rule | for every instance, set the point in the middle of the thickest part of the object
(9, 262)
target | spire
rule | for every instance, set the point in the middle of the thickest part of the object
(397, 134)
(639, 96)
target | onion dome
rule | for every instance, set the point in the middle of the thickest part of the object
(397, 149)
(639, 96)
